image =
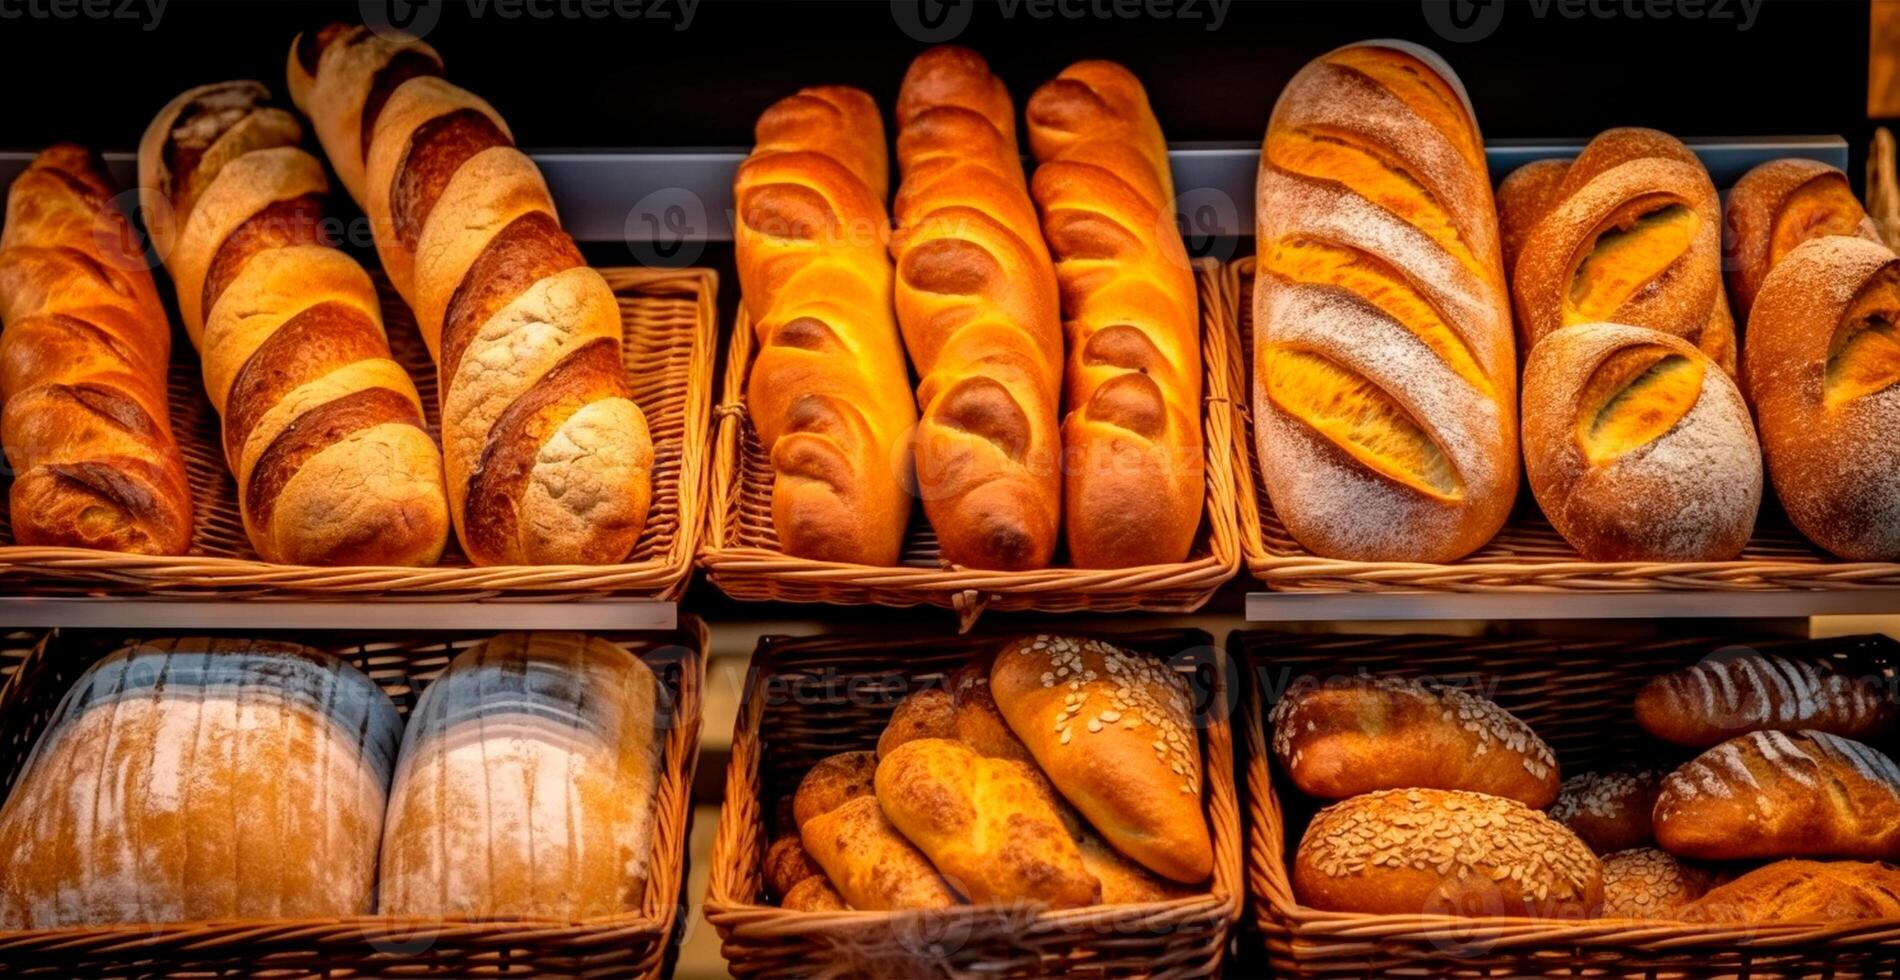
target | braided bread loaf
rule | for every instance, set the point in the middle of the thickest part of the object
(324, 432)
(82, 370)
(1132, 438)
(977, 301)
(1385, 385)
(829, 389)
(548, 458)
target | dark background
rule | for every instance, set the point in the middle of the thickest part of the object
(1799, 68)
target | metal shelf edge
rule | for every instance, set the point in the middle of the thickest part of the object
(110, 612)
(1283, 607)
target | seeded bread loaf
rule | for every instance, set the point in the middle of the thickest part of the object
(1645, 883)
(868, 862)
(1729, 695)
(1777, 206)
(1778, 794)
(1804, 891)
(1610, 811)
(1339, 739)
(1444, 852)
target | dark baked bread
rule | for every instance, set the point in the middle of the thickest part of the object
(1729, 695)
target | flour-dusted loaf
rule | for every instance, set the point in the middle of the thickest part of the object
(1340, 738)
(870, 864)
(1645, 883)
(1385, 379)
(1609, 810)
(1780, 794)
(1735, 692)
(1638, 447)
(1777, 206)
(1804, 891)
(194, 779)
(1444, 852)
(526, 784)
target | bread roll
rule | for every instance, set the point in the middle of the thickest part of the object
(813, 894)
(1444, 852)
(1123, 881)
(1820, 366)
(977, 301)
(527, 784)
(1609, 811)
(1776, 206)
(787, 864)
(1112, 730)
(1775, 794)
(1638, 446)
(1385, 383)
(1645, 883)
(1341, 738)
(962, 709)
(193, 779)
(1524, 196)
(1731, 694)
(1632, 235)
(868, 862)
(83, 364)
(829, 390)
(985, 823)
(1132, 477)
(1804, 891)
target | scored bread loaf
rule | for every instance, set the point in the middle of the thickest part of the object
(829, 389)
(1132, 461)
(1735, 692)
(870, 864)
(1523, 197)
(1820, 367)
(985, 823)
(1776, 206)
(1645, 883)
(548, 459)
(1444, 852)
(201, 779)
(526, 784)
(1112, 730)
(1340, 738)
(1385, 383)
(1609, 811)
(1780, 794)
(1633, 235)
(1803, 891)
(83, 362)
(323, 431)
(977, 301)
(1639, 447)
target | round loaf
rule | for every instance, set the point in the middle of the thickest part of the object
(1820, 366)
(1638, 446)
(1610, 811)
(1444, 852)
(1777, 206)
(1804, 891)
(1645, 883)
(1733, 693)
(1775, 794)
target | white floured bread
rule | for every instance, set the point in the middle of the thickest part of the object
(1778, 794)
(198, 779)
(526, 785)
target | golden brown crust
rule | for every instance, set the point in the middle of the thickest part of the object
(83, 362)
(872, 866)
(1776, 206)
(1645, 883)
(1524, 197)
(1609, 811)
(1729, 695)
(1776, 794)
(814, 894)
(787, 864)
(1804, 891)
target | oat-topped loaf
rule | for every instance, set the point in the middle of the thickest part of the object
(1609, 810)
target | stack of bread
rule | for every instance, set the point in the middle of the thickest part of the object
(191, 780)
(1451, 805)
(1064, 773)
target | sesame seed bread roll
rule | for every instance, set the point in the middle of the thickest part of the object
(1444, 852)
(1638, 446)
(1777, 206)
(1112, 729)
(1820, 367)
(1610, 811)
(870, 864)
(1804, 891)
(1645, 883)
(1338, 739)
(1776, 794)
(1385, 375)
(1729, 695)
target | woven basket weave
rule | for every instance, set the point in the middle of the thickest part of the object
(1578, 697)
(670, 318)
(741, 553)
(636, 944)
(807, 699)
(1528, 555)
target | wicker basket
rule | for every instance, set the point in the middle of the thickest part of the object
(807, 699)
(1578, 696)
(1528, 555)
(670, 319)
(635, 944)
(741, 553)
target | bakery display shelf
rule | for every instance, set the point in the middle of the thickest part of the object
(1578, 696)
(809, 698)
(220, 613)
(630, 944)
(1289, 607)
(668, 197)
(670, 319)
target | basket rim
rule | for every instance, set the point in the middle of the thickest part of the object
(664, 576)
